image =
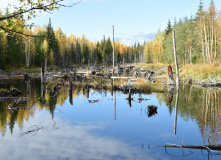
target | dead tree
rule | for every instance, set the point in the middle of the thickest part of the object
(170, 75)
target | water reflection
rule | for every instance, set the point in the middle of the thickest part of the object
(201, 105)
(78, 142)
(176, 108)
(196, 105)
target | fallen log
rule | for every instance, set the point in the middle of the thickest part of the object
(211, 85)
(208, 147)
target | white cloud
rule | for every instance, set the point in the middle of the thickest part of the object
(78, 141)
(131, 39)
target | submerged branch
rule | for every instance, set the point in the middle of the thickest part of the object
(33, 130)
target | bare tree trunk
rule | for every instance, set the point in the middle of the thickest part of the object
(205, 41)
(42, 74)
(46, 61)
(63, 60)
(203, 52)
(215, 50)
(207, 45)
(211, 43)
(26, 53)
(175, 57)
(29, 52)
(191, 55)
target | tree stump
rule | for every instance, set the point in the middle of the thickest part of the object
(170, 75)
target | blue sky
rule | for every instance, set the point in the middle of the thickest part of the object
(134, 20)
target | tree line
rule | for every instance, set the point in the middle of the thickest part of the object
(197, 39)
(54, 46)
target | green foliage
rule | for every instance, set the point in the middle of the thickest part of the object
(52, 43)
(39, 58)
(187, 43)
(85, 53)
(78, 53)
(2, 55)
(169, 28)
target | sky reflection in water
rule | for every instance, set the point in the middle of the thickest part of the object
(102, 131)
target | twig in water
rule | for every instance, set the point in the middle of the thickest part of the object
(93, 101)
(33, 130)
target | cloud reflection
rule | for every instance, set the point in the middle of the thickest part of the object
(79, 141)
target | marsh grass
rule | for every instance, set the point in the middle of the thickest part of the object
(198, 72)
(202, 72)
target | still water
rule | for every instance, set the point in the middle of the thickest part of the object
(73, 126)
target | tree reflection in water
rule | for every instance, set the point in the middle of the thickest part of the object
(195, 103)
(198, 104)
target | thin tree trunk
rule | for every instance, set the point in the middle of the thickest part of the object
(211, 43)
(63, 59)
(29, 52)
(207, 45)
(203, 52)
(175, 57)
(215, 49)
(191, 55)
(205, 36)
(26, 54)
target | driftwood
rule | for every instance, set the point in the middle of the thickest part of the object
(210, 84)
(93, 101)
(2, 99)
(140, 99)
(149, 75)
(208, 147)
(211, 149)
(16, 104)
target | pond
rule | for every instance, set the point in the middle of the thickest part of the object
(100, 124)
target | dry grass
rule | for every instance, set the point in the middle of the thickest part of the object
(201, 71)
(147, 86)
(152, 65)
(204, 72)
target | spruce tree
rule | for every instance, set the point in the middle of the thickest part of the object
(52, 43)
(168, 29)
